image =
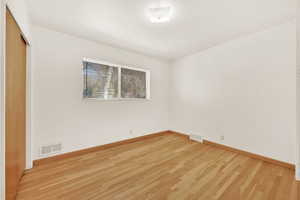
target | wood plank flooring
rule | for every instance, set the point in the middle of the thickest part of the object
(166, 167)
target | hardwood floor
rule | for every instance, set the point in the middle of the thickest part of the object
(164, 167)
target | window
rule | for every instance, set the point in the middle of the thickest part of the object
(101, 81)
(105, 81)
(133, 84)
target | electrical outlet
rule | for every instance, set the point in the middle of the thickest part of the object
(222, 137)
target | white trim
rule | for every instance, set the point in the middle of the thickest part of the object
(2, 99)
(119, 66)
(29, 138)
(119, 82)
(148, 85)
(103, 62)
(116, 99)
(298, 92)
(135, 68)
(197, 138)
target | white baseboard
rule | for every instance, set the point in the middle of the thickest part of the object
(197, 138)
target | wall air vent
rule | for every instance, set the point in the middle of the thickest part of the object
(50, 149)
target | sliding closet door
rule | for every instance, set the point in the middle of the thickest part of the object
(15, 116)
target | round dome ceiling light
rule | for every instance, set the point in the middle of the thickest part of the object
(160, 14)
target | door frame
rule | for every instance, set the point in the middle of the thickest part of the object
(4, 4)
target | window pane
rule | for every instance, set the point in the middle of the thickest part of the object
(133, 84)
(101, 81)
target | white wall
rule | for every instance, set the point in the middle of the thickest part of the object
(61, 115)
(244, 89)
(19, 10)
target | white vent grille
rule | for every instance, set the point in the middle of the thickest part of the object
(50, 149)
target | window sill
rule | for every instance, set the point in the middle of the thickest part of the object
(108, 100)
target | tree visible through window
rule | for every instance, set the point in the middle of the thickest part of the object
(133, 84)
(108, 81)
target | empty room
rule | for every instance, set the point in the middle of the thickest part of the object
(149, 100)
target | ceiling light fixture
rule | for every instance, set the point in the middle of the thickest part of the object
(160, 14)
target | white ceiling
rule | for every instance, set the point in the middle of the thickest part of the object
(196, 24)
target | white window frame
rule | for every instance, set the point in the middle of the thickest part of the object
(119, 66)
